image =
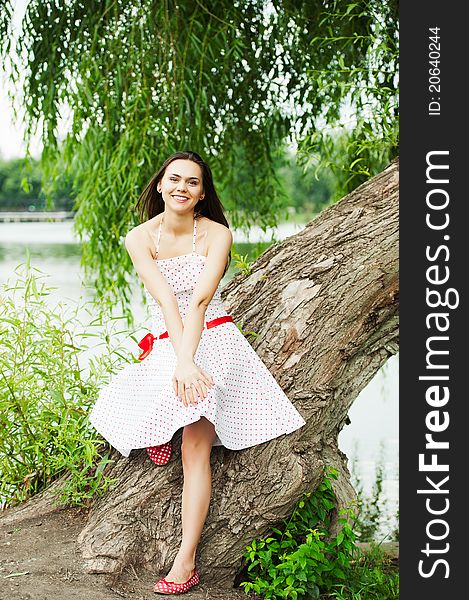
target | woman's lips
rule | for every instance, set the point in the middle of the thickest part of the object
(180, 198)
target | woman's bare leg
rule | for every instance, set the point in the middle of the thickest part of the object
(197, 440)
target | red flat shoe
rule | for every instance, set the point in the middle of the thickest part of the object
(160, 455)
(170, 587)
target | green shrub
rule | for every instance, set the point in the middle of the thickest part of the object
(45, 396)
(302, 560)
(373, 577)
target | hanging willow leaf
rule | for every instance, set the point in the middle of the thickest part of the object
(234, 81)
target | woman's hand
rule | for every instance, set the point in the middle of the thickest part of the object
(190, 382)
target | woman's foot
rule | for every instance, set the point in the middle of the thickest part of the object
(181, 578)
(181, 571)
(168, 587)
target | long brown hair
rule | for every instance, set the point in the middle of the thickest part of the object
(150, 202)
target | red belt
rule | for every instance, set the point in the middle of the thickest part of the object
(146, 343)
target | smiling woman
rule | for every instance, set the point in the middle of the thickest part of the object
(198, 372)
(183, 189)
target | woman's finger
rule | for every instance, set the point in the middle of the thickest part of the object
(187, 395)
(205, 377)
(191, 395)
(197, 388)
(203, 388)
(211, 379)
(180, 391)
(193, 390)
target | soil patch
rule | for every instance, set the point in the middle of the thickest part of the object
(39, 561)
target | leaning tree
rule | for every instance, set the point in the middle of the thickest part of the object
(324, 306)
(139, 79)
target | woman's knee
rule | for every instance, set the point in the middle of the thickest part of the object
(196, 443)
(193, 452)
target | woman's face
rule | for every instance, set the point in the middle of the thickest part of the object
(181, 185)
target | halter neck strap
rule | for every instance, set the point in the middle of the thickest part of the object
(159, 236)
(194, 236)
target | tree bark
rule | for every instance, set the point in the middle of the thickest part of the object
(324, 306)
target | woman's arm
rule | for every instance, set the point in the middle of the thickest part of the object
(137, 244)
(218, 249)
(217, 255)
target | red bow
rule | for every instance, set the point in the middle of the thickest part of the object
(146, 344)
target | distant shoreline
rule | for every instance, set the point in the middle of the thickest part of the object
(24, 216)
(36, 215)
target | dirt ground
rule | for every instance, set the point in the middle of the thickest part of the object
(39, 561)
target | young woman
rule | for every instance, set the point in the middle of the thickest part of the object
(198, 371)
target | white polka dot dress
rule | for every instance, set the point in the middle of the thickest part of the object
(139, 408)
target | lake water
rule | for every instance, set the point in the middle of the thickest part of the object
(374, 415)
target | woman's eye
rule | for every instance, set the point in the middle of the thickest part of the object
(175, 179)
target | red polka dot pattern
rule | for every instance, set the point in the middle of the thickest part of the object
(160, 455)
(169, 587)
(139, 408)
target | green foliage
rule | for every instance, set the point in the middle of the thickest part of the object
(373, 577)
(241, 262)
(236, 82)
(247, 334)
(21, 187)
(301, 559)
(251, 251)
(6, 14)
(45, 395)
(308, 191)
(359, 137)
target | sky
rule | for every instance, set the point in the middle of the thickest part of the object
(11, 131)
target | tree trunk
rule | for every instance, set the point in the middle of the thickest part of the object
(324, 306)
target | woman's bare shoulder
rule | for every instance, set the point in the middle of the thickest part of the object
(214, 229)
(143, 235)
(217, 233)
(150, 226)
(146, 227)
